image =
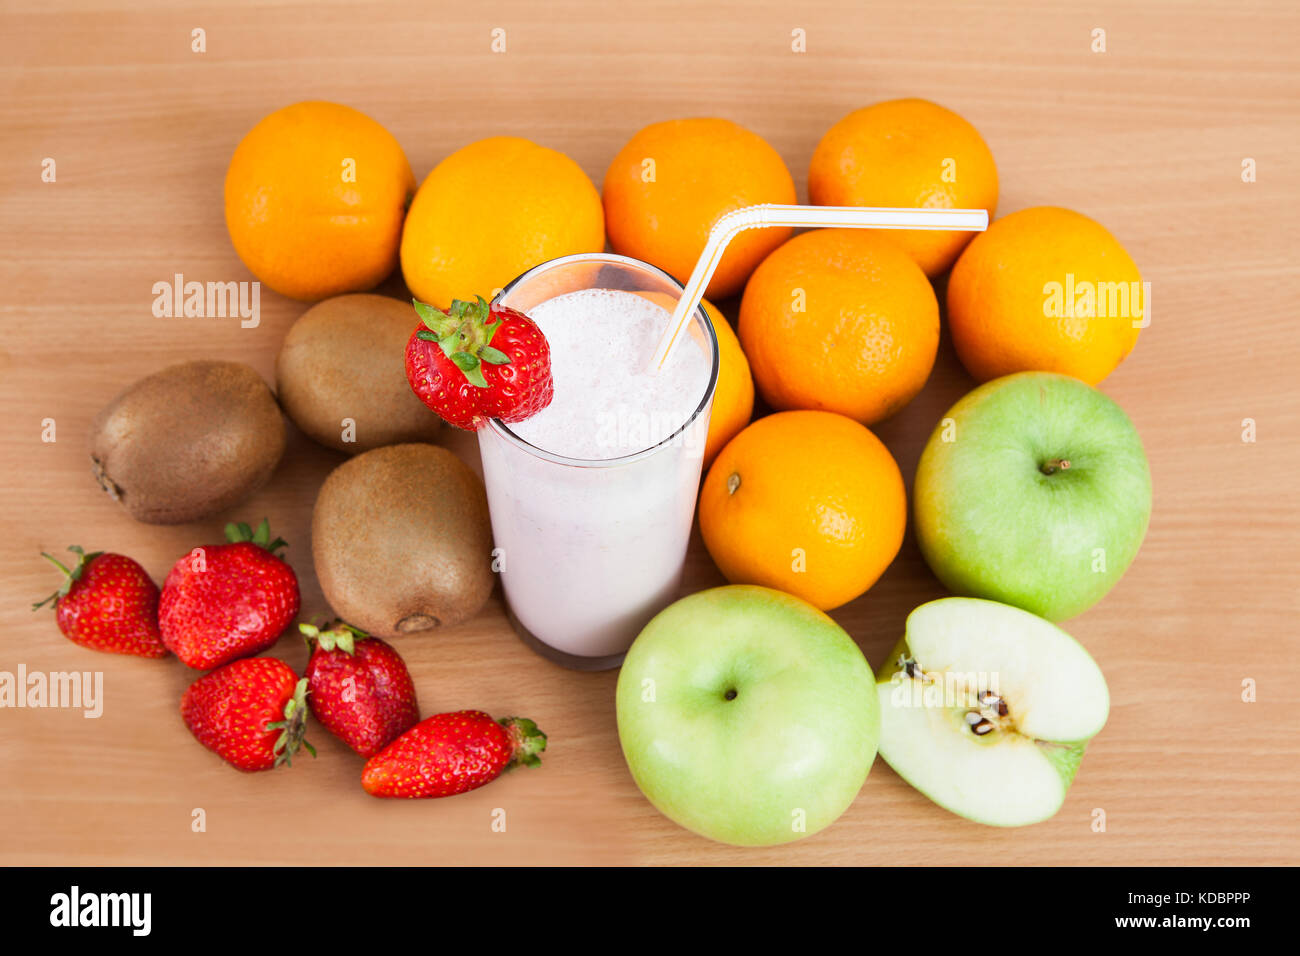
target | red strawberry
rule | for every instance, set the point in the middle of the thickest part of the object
(450, 753)
(107, 602)
(252, 713)
(476, 362)
(229, 600)
(360, 687)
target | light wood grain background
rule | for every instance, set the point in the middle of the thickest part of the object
(1148, 138)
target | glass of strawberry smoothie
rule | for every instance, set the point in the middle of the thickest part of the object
(592, 499)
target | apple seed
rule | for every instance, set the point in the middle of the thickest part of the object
(979, 724)
(911, 668)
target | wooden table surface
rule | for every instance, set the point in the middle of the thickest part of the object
(1148, 137)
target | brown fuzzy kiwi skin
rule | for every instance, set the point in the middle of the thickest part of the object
(188, 441)
(402, 542)
(346, 358)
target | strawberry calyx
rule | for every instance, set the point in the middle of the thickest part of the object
(464, 333)
(241, 532)
(527, 741)
(70, 575)
(336, 635)
(293, 728)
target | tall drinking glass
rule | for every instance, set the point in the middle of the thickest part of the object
(590, 548)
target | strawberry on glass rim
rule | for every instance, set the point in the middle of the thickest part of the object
(478, 361)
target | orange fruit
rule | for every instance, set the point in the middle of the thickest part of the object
(672, 181)
(841, 320)
(907, 153)
(491, 211)
(1048, 290)
(808, 502)
(733, 399)
(315, 196)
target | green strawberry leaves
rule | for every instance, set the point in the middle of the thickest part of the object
(527, 739)
(430, 316)
(241, 532)
(464, 333)
(70, 575)
(337, 635)
(471, 366)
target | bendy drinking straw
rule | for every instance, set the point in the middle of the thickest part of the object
(768, 214)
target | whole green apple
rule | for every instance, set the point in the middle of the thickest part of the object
(1033, 491)
(747, 715)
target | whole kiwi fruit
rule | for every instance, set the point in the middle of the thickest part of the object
(341, 375)
(401, 540)
(188, 441)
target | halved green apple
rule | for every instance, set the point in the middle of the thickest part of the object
(986, 709)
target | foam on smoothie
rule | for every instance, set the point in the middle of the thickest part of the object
(607, 404)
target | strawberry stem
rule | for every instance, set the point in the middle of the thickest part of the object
(293, 728)
(527, 739)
